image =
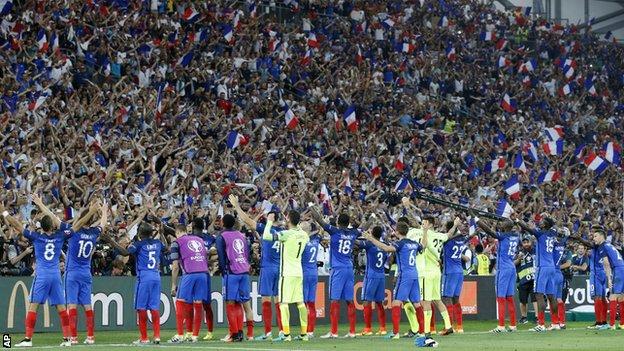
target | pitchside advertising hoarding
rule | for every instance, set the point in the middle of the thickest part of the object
(113, 301)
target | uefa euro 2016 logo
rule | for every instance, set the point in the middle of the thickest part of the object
(194, 246)
(239, 246)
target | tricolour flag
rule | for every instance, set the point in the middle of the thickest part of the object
(553, 148)
(554, 133)
(324, 196)
(488, 36)
(307, 58)
(589, 85)
(35, 104)
(407, 47)
(347, 185)
(503, 208)
(501, 44)
(291, 120)
(375, 169)
(512, 186)
(42, 41)
(519, 162)
(595, 163)
(529, 66)
(185, 60)
(503, 62)
(578, 152)
(403, 185)
(399, 165)
(567, 89)
(531, 150)
(388, 23)
(612, 153)
(359, 58)
(228, 33)
(548, 176)
(450, 53)
(472, 228)
(234, 139)
(350, 119)
(312, 42)
(495, 165)
(190, 14)
(508, 104)
(5, 7)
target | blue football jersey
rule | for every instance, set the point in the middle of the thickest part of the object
(545, 245)
(308, 258)
(406, 252)
(452, 251)
(80, 248)
(375, 260)
(269, 250)
(209, 240)
(147, 257)
(560, 245)
(341, 246)
(595, 263)
(507, 249)
(611, 253)
(48, 249)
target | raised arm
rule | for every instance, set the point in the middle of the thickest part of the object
(266, 235)
(12, 221)
(250, 222)
(83, 220)
(37, 200)
(369, 236)
(578, 238)
(122, 250)
(486, 228)
(316, 216)
(453, 232)
(525, 227)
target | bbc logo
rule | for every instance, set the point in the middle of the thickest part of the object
(6, 341)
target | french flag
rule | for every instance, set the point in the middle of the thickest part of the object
(228, 33)
(69, 213)
(312, 42)
(252, 8)
(5, 7)
(307, 58)
(324, 196)
(529, 66)
(450, 53)
(589, 85)
(359, 58)
(508, 104)
(388, 23)
(159, 106)
(399, 165)
(548, 176)
(488, 36)
(512, 186)
(196, 188)
(495, 165)
(503, 62)
(472, 228)
(35, 104)
(531, 150)
(361, 27)
(190, 14)
(503, 208)
(407, 47)
(568, 71)
(578, 152)
(402, 185)
(555, 133)
(612, 153)
(291, 120)
(234, 139)
(553, 148)
(444, 22)
(54, 40)
(501, 44)
(350, 118)
(595, 163)
(519, 162)
(185, 60)
(375, 169)
(42, 41)
(566, 89)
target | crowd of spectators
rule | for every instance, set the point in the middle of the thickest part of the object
(180, 103)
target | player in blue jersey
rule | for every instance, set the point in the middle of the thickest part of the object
(407, 288)
(545, 270)
(310, 274)
(597, 286)
(374, 287)
(78, 279)
(614, 269)
(453, 277)
(269, 273)
(508, 242)
(47, 284)
(342, 240)
(146, 251)
(563, 259)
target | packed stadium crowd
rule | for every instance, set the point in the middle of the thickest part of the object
(349, 105)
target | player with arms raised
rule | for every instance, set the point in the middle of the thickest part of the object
(292, 243)
(374, 287)
(47, 284)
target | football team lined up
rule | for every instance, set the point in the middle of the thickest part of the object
(428, 255)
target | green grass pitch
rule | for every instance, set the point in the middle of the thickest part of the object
(476, 338)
